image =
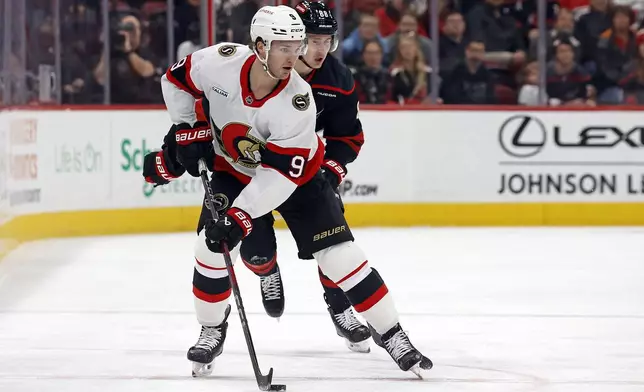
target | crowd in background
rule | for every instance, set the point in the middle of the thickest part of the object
(487, 49)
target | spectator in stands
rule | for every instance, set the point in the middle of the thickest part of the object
(240, 17)
(408, 25)
(353, 46)
(633, 82)
(563, 29)
(470, 82)
(526, 14)
(615, 49)
(567, 82)
(503, 40)
(578, 7)
(452, 44)
(410, 74)
(529, 81)
(41, 59)
(588, 29)
(372, 79)
(355, 9)
(390, 14)
(423, 8)
(132, 70)
(193, 43)
(185, 15)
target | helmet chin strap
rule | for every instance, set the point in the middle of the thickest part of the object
(305, 63)
(265, 63)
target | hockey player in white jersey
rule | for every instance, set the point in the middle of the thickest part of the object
(265, 156)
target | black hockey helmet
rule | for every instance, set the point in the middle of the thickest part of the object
(318, 19)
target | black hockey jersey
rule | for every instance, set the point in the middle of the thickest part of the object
(336, 101)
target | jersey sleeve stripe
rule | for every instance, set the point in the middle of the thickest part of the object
(355, 142)
(333, 88)
(180, 85)
(180, 77)
(189, 81)
(281, 159)
(290, 151)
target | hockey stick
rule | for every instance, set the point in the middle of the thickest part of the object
(263, 381)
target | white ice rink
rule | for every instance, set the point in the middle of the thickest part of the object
(552, 310)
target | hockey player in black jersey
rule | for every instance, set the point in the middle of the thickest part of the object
(337, 117)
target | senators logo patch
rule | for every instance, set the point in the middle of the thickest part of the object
(227, 50)
(301, 102)
(236, 142)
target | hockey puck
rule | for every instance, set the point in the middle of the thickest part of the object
(277, 387)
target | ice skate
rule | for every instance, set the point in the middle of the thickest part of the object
(397, 344)
(273, 293)
(209, 346)
(356, 336)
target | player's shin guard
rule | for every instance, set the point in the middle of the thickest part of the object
(346, 265)
(211, 289)
(210, 284)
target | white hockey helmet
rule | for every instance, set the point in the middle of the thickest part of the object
(277, 23)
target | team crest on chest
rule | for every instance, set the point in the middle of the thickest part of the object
(234, 140)
(301, 102)
(227, 50)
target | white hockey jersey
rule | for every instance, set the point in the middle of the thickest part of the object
(269, 143)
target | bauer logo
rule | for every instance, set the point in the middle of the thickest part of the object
(329, 233)
(133, 153)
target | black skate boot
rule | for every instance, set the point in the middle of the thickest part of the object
(209, 346)
(356, 336)
(272, 292)
(397, 344)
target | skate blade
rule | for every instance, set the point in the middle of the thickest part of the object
(359, 347)
(201, 369)
(417, 370)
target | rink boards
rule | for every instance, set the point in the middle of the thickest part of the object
(78, 172)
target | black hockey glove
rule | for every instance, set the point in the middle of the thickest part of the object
(231, 228)
(194, 143)
(333, 172)
(159, 167)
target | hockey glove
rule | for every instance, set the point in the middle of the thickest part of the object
(194, 143)
(231, 228)
(333, 172)
(160, 168)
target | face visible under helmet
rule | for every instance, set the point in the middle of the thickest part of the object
(279, 23)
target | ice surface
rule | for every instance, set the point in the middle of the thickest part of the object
(503, 310)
